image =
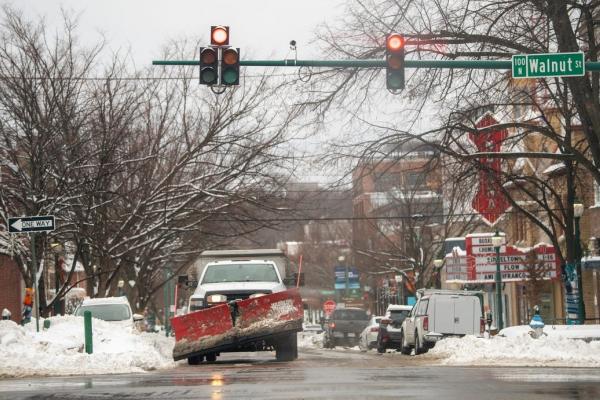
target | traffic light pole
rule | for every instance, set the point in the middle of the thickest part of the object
(452, 64)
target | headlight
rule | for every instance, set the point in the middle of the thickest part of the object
(216, 298)
(255, 295)
(196, 304)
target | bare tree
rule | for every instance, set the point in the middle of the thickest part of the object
(551, 109)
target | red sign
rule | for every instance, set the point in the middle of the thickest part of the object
(489, 201)
(328, 307)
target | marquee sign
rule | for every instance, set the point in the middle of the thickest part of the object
(479, 263)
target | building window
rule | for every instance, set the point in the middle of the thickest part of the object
(414, 180)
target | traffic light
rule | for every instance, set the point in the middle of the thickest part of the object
(219, 35)
(394, 58)
(209, 66)
(230, 67)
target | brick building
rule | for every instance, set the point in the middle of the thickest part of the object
(12, 288)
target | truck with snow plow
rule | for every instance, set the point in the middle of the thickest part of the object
(241, 302)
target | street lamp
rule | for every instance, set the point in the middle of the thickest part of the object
(341, 260)
(497, 242)
(437, 263)
(577, 213)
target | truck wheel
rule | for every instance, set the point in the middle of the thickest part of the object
(403, 348)
(287, 348)
(418, 346)
(211, 357)
(195, 360)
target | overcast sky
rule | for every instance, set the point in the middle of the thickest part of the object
(262, 28)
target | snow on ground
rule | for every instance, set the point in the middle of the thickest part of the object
(59, 350)
(310, 340)
(519, 350)
(586, 332)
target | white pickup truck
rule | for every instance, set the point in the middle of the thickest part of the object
(240, 303)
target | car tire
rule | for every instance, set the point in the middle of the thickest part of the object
(380, 347)
(418, 346)
(211, 357)
(406, 350)
(195, 360)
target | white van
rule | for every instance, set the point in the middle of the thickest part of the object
(441, 313)
(115, 310)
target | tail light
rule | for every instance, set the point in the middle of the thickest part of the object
(375, 329)
(481, 325)
(426, 323)
(332, 325)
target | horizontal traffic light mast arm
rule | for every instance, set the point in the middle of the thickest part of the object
(466, 64)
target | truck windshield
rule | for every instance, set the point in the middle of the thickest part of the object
(240, 273)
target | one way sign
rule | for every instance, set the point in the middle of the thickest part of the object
(31, 224)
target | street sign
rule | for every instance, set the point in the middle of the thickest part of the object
(41, 223)
(548, 65)
(328, 307)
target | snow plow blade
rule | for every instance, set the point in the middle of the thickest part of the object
(228, 326)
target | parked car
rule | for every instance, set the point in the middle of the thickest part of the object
(368, 337)
(441, 313)
(112, 309)
(390, 327)
(344, 327)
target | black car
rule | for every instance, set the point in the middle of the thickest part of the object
(390, 327)
(344, 327)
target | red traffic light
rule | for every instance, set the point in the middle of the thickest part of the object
(219, 35)
(394, 42)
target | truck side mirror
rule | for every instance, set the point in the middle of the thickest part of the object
(184, 280)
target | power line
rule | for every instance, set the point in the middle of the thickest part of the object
(420, 217)
(129, 78)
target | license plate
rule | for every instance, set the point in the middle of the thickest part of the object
(351, 335)
(338, 334)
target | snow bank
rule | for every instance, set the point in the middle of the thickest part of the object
(585, 332)
(310, 340)
(59, 350)
(519, 350)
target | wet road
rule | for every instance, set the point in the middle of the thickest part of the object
(318, 374)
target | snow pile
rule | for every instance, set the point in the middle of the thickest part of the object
(585, 332)
(310, 340)
(520, 350)
(59, 350)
